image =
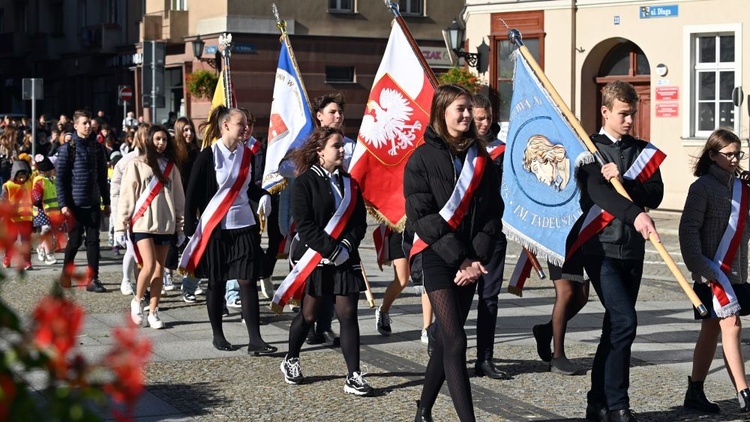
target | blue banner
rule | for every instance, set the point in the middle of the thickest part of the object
(542, 153)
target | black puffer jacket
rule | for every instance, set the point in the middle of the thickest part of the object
(619, 239)
(429, 179)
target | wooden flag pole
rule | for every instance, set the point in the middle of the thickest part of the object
(368, 291)
(515, 37)
(393, 7)
(535, 263)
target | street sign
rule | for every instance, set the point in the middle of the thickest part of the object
(33, 88)
(125, 93)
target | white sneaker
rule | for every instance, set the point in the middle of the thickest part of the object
(136, 311)
(424, 338)
(198, 290)
(154, 321)
(41, 255)
(126, 288)
(168, 283)
(357, 385)
(266, 287)
(50, 260)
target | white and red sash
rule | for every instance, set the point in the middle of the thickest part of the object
(144, 201)
(380, 237)
(216, 209)
(458, 204)
(496, 148)
(254, 145)
(521, 273)
(724, 299)
(644, 166)
(294, 283)
(283, 250)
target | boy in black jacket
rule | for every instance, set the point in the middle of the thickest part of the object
(614, 256)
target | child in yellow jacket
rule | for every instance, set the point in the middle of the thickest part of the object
(17, 192)
(47, 216)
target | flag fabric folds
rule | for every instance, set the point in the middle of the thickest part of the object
(542, 152)
(393, 126)
(291, 118)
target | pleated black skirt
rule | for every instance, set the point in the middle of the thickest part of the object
(329, 280)
(232, 254)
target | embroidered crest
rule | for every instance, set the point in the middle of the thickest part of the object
(392, 122)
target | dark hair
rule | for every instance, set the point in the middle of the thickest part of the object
(307, 155)
(152, 156)
(718, 140)
(249, 115)
(444, 96)
(211, 128)
(480, 101)
(322, 102)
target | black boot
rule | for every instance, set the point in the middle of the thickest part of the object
(744, 397)
(423, 414)
(696, 399)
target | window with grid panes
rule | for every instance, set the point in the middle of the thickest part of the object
(713, 80)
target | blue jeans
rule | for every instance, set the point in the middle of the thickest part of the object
(233, 291)
(616, 282)
(189, 284)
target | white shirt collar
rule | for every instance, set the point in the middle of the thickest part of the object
(611, 138)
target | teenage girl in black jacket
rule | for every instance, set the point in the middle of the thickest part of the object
(454, 259)
(316, 194)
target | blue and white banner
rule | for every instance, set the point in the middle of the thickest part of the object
(291, 118)
(542, 153)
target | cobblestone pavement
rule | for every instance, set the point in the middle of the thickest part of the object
(189, 380)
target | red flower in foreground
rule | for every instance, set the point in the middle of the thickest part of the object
(126, 360)
(57, 323)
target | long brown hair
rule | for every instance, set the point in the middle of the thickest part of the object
(181, 145)
(152, 156)
(211, 128)
(444, 96)
(307, 155)
(139, 139)
(718, 140)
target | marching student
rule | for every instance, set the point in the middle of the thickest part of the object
(613, 257)
(151, 208)
(225, 244)
(453, 208)
(489, 285)
(329, 112)
(714, 243)
(129, 264)
(326, 200)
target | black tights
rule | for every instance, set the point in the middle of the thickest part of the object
(448, 362)
(346, 311)
(250, 310)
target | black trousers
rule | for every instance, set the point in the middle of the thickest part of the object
(488, 291)
(85, 220)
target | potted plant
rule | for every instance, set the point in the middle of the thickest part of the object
(202, 84)
(461, 76)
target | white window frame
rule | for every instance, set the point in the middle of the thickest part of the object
(689, 99)
(410, 4)
(339, 9)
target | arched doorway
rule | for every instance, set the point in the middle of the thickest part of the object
(627, 62)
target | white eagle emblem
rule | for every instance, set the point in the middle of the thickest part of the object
(392, 112)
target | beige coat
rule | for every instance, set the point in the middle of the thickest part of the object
(165, 215)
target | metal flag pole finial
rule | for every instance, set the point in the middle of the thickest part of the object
(280, 23)
(392, 6)
(515, 37)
